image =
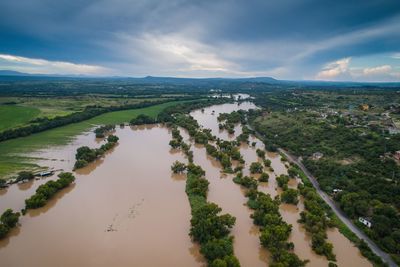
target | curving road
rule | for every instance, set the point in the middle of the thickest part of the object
(384, 256)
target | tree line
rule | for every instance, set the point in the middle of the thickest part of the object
(103, 130)
(8, 220)
(84, 154)
(210, 229)
(43, 124)
(275, 231)
(46, 191)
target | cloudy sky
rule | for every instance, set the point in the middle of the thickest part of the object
(355, 40)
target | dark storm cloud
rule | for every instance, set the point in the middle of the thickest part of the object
(286, 38)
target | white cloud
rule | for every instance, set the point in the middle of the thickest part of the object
(42, 66)
(178, 54)
(334, 69)
(385, 69)
(341, 70)
(396, 56)
(174, 50)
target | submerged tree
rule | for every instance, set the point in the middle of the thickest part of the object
(260, 153)
(8, 220)
(256, 167)
(264, 177)
(178, 167)
(290, 196)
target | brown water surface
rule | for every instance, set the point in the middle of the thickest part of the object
(127, 209)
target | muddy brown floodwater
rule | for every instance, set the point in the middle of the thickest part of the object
(126, 209)
(231, 200)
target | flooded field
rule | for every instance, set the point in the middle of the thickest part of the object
(123, 210)
(126, 209)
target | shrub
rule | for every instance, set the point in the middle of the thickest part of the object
(264, 177)
(256, 167)
(290, 196)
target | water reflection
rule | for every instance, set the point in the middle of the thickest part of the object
(178, 176)
(3, 191)
(13, 233)
(25, 186)
(51, 203)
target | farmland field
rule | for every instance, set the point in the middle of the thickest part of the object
(13, 116)
(24, 109)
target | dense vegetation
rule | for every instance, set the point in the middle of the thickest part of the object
(103, 130)
(49, 189)
(225, 152)
(208, 228)
(84, 155)
(228, 121)
(274, 231)
(178, 167)
(244, 135)
(331, 219)
(142, 119)
(256, 167)
(246, 181)
(316, 222)
(25, 175)
(290, 196)
(282, 181)
(178, 143)
(264, 177)
(8, 220)
(355, 151)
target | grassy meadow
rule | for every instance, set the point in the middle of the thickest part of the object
(24, 109)
(12, 116)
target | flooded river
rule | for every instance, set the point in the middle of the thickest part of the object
(127, 209)
(124, 210)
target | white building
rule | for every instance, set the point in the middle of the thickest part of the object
(317, 155)
(365, 222)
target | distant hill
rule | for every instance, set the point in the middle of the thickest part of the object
(9, 75)
(200, 81)
(12, 73)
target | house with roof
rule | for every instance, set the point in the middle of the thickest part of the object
(317, 155)
(365, 222)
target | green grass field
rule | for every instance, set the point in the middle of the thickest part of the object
(27, 108)
(12, 152)
(12, 116)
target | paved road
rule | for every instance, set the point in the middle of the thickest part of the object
(384, 256)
